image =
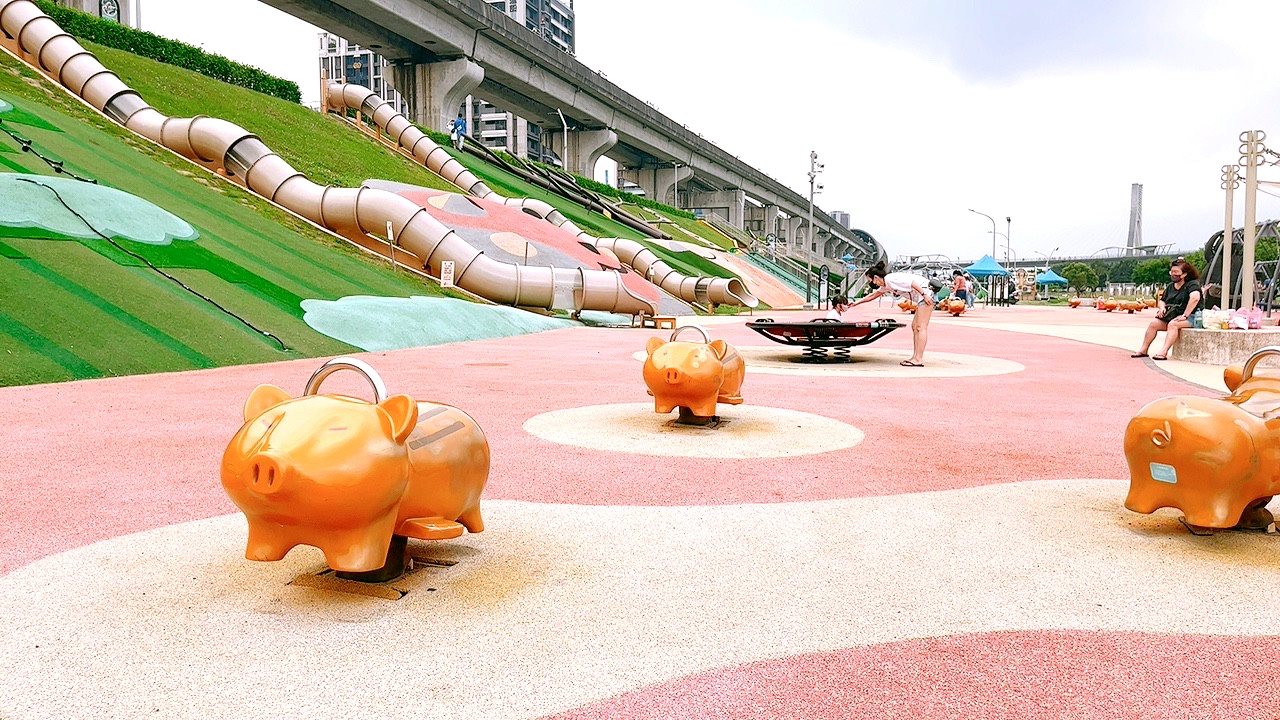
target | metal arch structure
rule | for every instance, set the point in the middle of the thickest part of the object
(1263, 271)
(873, 251)
(1123, 251)
(928, 265)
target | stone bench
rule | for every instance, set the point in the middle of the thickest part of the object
(1223, 347)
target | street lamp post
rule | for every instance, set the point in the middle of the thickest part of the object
(675, 178)
(815, 167)
(1008, 230)
(993, 231)
(1048, 261)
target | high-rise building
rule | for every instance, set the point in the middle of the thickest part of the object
(552, 19)
(341, 60)
(501, 130)
(842, 217)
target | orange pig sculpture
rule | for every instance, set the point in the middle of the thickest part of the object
(346, 475)
(694, 376)
(1215, 459)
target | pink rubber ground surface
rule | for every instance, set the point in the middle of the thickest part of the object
(101, 458)
(994, 675)
(94, 460)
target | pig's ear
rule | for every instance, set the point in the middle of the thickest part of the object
(262, 399)
(719, 347)
(654, 343)
(403, 413)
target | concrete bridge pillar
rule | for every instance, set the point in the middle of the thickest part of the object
(658, 182)
(794, 243)
(434, 92)
(728, 204)
(585, 148)
(770, 223)
(831, 248)
(762, 221)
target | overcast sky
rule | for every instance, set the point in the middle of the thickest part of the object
(1046, 112)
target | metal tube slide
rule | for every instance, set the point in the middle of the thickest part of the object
(700, 290)
(703, 290)
(351, 212)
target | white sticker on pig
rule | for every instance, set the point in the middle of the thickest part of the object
(1164, 473)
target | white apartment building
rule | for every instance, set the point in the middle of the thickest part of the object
(340, 60)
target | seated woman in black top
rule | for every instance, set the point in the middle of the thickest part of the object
(1179, 307)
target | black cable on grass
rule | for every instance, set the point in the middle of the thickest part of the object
(28, 146)
(143, 260)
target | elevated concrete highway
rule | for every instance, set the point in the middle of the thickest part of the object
(443, 50)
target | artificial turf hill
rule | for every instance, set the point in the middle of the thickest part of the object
(75, 308)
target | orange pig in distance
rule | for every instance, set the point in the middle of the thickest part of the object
(693, 375)
(344, 475)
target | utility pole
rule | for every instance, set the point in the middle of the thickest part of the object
(815, 167)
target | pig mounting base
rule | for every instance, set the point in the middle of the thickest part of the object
(1255, 518)
(687, 417)
(397, 556)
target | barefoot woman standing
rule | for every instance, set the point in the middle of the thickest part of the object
(912, 287)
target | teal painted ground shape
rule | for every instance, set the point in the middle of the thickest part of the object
(391, 323)
(114, 213)
(18, 116)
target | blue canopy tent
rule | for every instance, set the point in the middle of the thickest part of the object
(1049, 277)
(988, 268)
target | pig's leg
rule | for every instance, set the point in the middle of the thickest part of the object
(268, 541)
(470, 519)
(358, 549)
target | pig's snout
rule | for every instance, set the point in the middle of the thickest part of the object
(673, 376)
(267, 473)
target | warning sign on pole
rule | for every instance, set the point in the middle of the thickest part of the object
(446, 273)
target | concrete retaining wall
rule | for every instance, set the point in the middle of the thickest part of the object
(1223, 347)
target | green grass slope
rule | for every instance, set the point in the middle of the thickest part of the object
(72, 309)
(323, 148)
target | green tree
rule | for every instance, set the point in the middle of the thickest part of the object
(1264, 251)
(1121, 271)
(1080, 276)
(1101, 272)
(1152, 272)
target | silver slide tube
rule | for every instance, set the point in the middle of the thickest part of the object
(426, 151)
(352, 212)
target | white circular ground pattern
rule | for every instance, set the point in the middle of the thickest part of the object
(866, 362)
(745, 431)
(175, 623)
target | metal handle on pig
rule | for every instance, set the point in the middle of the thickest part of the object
(705, 338)
(346, 363)
(1255, 358)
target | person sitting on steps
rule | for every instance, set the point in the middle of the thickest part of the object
(1178, 307)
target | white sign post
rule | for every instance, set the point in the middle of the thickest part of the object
(391, 240)
(446, 273)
